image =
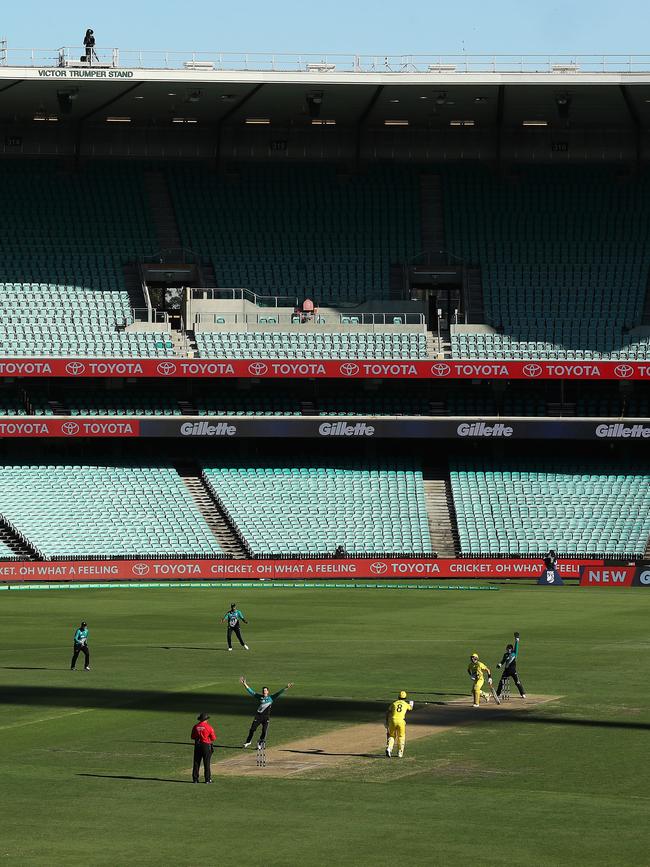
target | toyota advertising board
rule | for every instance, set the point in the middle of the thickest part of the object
(365, 569)
(219, 368)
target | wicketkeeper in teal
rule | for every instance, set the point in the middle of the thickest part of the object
(263, 712)
(80, 645)
(232, 618)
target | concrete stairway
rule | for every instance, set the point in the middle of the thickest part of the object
(17, 546)
(432, 219)
(211, 511)
(440, 509)
(162, 210)
(133, 286)
(476, 310)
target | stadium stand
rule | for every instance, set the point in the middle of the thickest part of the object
(295, 344)
(302, 507)
(563, 255)
(90, 402)
(86, 511)
(290, 230)
(5, 551)
(62, 287)
(12, 402)
(526, 507)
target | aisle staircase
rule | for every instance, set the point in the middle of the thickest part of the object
(440, 509)
(209, 508)
(20, 549)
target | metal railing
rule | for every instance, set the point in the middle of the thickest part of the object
(219, 294)
(433, 64)
(304, 321)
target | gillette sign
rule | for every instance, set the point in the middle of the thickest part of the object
(342, 429)
(481, 429)
(205, 429)
(621, 431)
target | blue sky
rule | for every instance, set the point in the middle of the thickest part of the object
(360, 26)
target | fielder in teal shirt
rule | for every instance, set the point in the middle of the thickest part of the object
(263, 712)
(233, 617)
(80, 645)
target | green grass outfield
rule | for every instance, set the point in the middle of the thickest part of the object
(94, 766)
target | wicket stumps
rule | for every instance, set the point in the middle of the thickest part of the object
(505, 692)
(261, 755)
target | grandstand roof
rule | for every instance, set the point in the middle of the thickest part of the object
(489, 98)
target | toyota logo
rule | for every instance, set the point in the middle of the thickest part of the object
(349, 369)
(257, 368)
(70, 428)
(624, 371)
(140, 569)
(166, 368)
(533, 370)
(75, 368)
(378, 568)
(440, 369)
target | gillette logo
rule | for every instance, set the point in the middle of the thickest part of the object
(342, 429)
(205, 429)
(480, 429)
(621, 431)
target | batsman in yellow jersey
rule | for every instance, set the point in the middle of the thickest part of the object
(477, 670)
(396, 724)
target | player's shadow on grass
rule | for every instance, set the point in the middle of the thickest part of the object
(29, 668)
(431, 692)
(188, 744)
(183, 647)
(343, 755)
(129, 777)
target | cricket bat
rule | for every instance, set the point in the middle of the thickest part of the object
(494, 695)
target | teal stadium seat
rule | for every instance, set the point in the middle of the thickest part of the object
(526, 507)
(308, 508)
(109, 510)
(65, 237)
(564, 260)
(300, 230)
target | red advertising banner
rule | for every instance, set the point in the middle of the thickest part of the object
(23, 426)
(256, 570)
(322, 369)
(610, 575)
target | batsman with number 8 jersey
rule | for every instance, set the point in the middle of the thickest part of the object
(396, 724)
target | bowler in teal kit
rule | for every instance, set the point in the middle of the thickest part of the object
(263, 713)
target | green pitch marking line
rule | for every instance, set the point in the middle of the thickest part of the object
(242, 585)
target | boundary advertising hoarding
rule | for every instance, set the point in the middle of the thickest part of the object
(207, 368)
(255, 570)
(615, 575)
(321, 427)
